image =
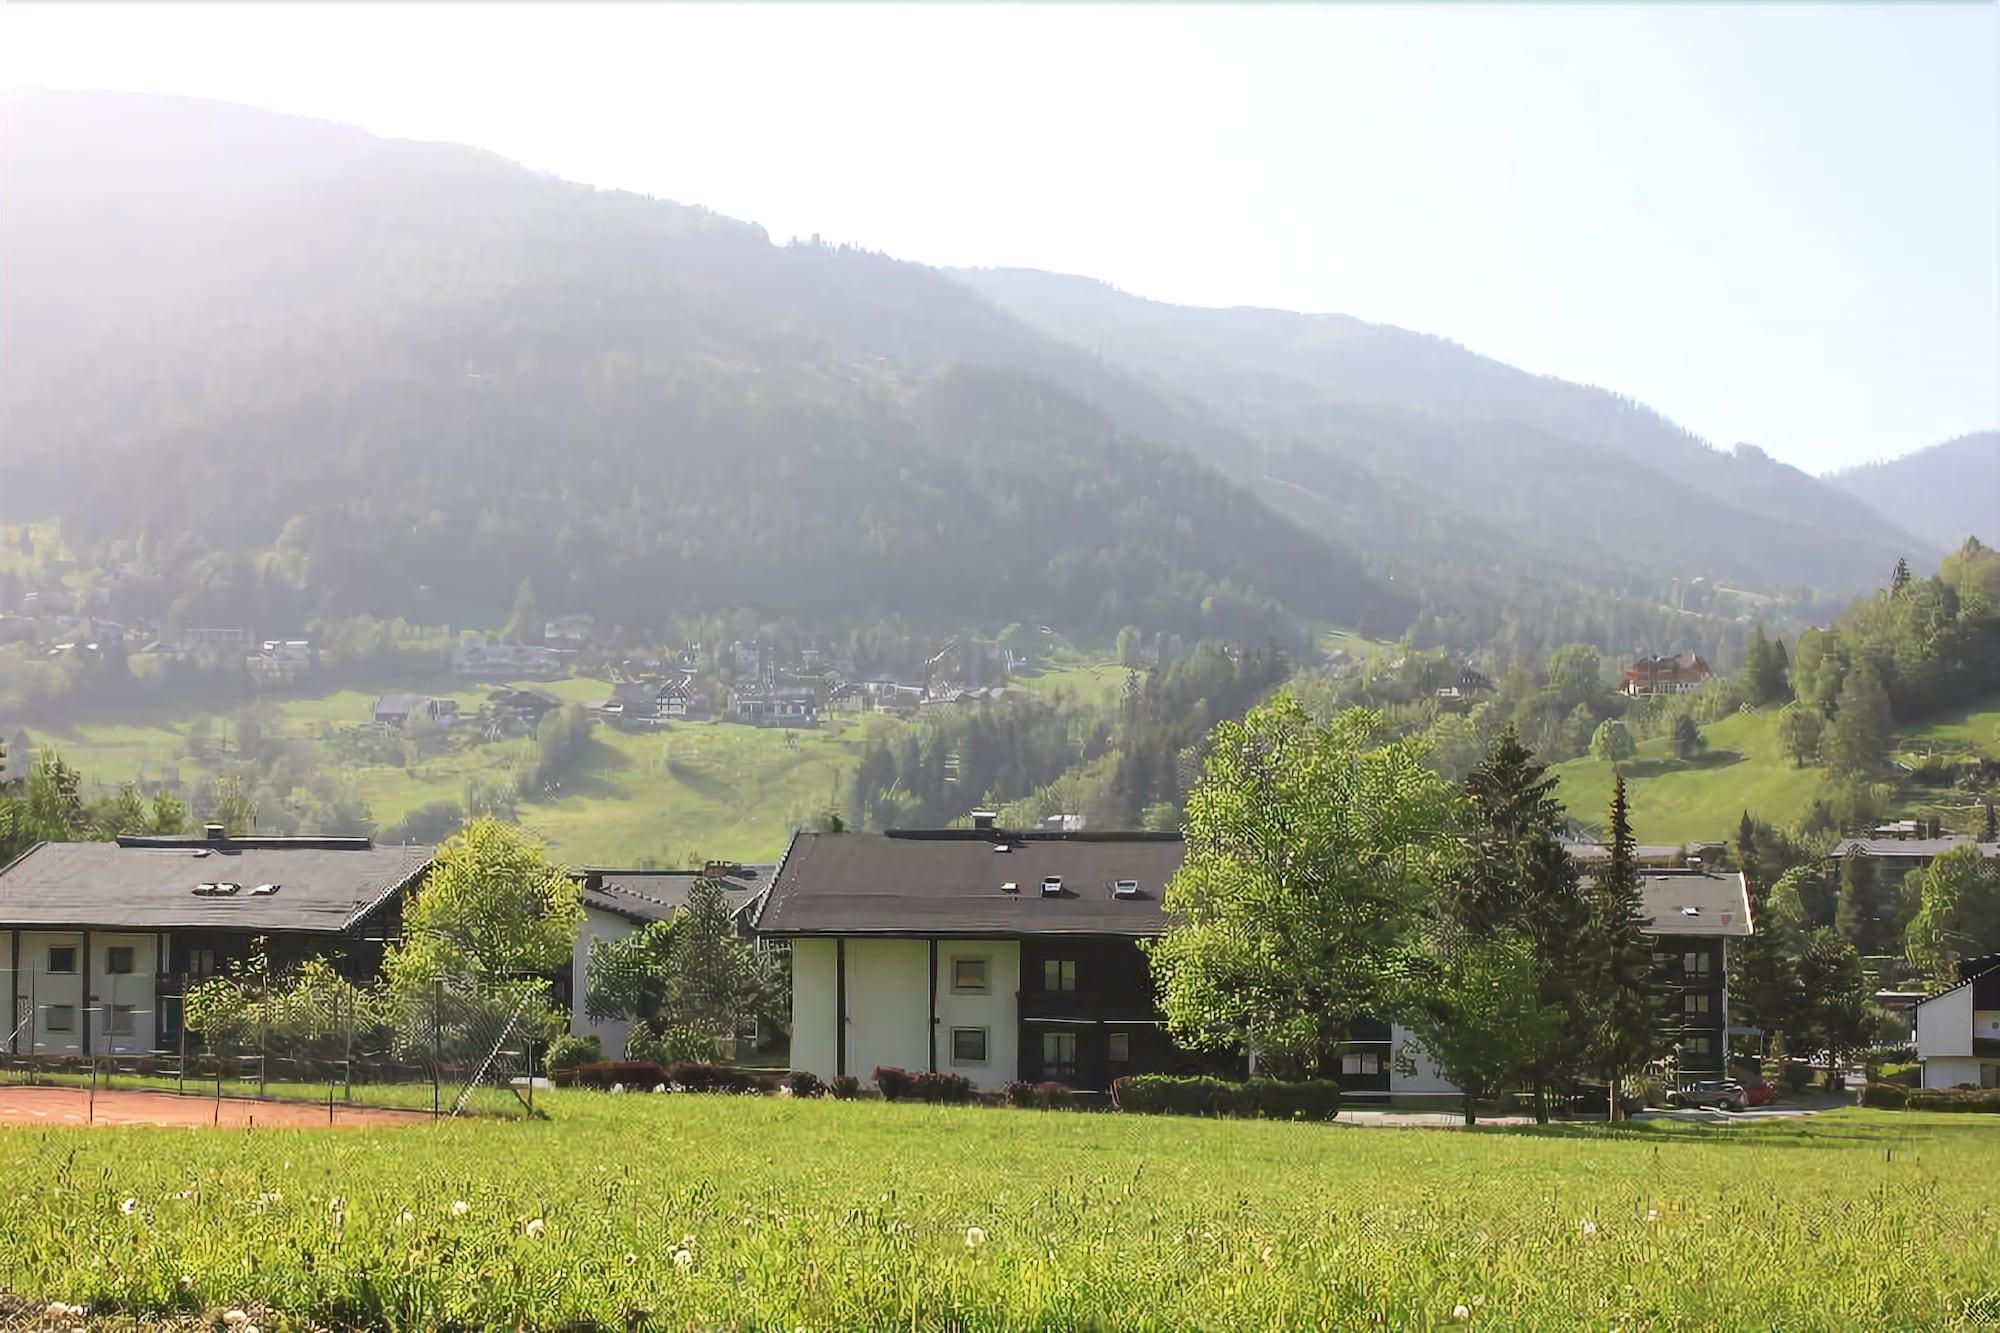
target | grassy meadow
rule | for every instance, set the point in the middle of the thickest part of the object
(701, 1212)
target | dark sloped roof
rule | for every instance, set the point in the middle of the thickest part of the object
(325, 885)
(1711, 903)
(655, 895)
(949, 883)
(1911, 847)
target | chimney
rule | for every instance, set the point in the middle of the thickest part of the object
(984, 820)
(1694, 864)
(215, 832)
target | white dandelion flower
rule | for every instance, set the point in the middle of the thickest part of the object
(129, 1207)
(534, 1229)
(1586, 1228)
(975, 1237)
(683, 1259)
(1461, 1312)
(459, 1208)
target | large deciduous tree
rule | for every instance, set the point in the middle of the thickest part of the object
(689, 982)
(1310, 849)
(1958, 913)
(1800, 729)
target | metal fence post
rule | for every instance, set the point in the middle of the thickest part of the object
(263, 1004)
(182, 1076)
(437, 1044)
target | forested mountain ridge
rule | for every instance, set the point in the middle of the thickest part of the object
(1952, 487)
(342, 374)
(1523, 470)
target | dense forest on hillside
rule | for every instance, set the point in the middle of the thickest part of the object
(396, 378)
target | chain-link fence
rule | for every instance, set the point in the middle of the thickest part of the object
(444, 1049)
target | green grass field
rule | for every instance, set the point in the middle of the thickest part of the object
(1675, 801)
(696, 1212)
(1973, 730)
(692, 790)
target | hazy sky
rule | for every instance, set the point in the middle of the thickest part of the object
(1778, 224)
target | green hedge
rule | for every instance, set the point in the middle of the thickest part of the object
(1265, 1098)
(1954, 1099)
(1885, 1096)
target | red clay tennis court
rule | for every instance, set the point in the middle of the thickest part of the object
(22, 1106)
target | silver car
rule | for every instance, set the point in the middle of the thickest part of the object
(1711, 1092)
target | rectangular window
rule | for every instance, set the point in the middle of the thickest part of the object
(968, 976)
(1361, 1062)
(1059, 974)
(118, 960)
(62, 958)
(1696, 1003)
(60, 1018)
(1059, 1053)
(1695, 964)
(1989, 1076)
(1695, 1049)
(201, 962)
(1118, 1048)
(121, 1020)
(968, 1046)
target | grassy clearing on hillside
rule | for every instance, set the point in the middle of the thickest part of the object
(687, 791)
(1974, 729)
(696, 1212)
(1742, 769)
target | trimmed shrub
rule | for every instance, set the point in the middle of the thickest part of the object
(701, 1076)
(1796, 1075)
(943, 1089)
(803, 1083)
(1885, 1096)
(844, 1087)
(1963, 1098)
(670, 1046)
(569, 1051)
(895, 1083)
(1314, 1099)
(607, 1073)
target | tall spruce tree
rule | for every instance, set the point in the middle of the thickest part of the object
(1625, 992)
(1519, 878)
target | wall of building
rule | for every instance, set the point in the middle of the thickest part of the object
(610, 1032)
(888, 1007)
(815, 1007)
(41, 990)
(1948, 1071)
(997, 1010)
(125, 1018)
(1424, 1080)
(1944, 1026)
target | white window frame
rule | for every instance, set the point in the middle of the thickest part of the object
(69, 1021)
(985, 986)
(985, 1046)
(121, 1020)
(111, 968)
(74, 953)
(1361, 1064)
(1059, 964)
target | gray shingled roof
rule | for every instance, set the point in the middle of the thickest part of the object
(655, 895)
(1924, 848)
(325, 885)
(1713, 903)
(950, 883)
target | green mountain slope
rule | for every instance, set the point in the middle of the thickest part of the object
(1946, 493)
(1523, 469)
(416, 373)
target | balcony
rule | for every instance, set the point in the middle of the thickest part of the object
(1088, 1006)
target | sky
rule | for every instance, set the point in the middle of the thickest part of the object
(1777, 224)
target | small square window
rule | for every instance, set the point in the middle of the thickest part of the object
(1118, 1047)
(62, 958)
(1696, 1003)
(1695, 1048)
(1695, 964)
(968, 1046)
(118, 960)
(968, 976)
(121, 1020)
(1361, 1062)
(201, 962)
(60, 1018)
(1059, 974)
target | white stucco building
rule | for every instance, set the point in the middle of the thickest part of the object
(1958, 1030)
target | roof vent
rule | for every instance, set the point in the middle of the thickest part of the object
(1125, 888)
(264, 890)
(1003, 847)
(217, 890)
(1694, 864)
(1010, 887)
(1052, 886)
(214, 832)
(984, 819)
(1690, 911)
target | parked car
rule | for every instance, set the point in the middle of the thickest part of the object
(1595, 1100)
(1724, 1093)
(1760, 1093)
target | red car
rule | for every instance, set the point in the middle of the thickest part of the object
(1759, 1094)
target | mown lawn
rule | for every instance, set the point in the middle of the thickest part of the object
(693, 1212)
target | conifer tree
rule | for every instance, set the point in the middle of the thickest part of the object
(1626, 994)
